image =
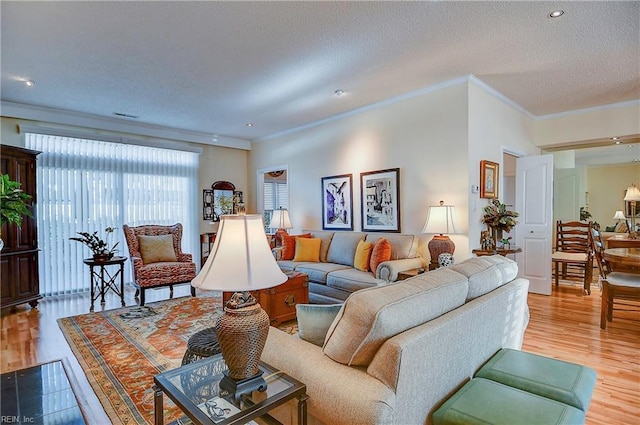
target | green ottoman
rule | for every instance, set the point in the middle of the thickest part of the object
(481, 401)
(565, 382)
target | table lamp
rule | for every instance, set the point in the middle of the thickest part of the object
(280, 220)
(440, 220)
(619, 215)
(241, 261)
(632, 196)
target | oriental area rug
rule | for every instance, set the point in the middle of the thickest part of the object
(122, 350)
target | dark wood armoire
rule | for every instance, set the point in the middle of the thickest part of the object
(19, 281)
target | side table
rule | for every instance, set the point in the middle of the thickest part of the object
(406, 274)
(102, 280)
(502, 251)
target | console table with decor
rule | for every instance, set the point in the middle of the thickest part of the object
(194, 388)
(206, 242)
(502, 251)
(102, 280)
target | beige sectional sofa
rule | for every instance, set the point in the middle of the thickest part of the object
(334, 278)
(395, 353)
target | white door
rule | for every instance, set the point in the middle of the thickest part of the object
(534, 202)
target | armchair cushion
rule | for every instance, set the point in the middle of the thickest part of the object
(155, 249)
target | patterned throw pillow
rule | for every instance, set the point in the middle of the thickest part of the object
(381, 252)
(363, 256)
(155, 249)
(621, 227)
(289, 245)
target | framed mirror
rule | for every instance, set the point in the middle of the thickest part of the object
(223, 199)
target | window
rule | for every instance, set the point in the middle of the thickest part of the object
(88, 185)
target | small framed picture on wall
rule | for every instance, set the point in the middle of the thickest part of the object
(380, 200)
(489, 179)
(337, 202)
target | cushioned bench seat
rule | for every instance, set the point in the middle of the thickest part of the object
(565, 382)
(481, 401)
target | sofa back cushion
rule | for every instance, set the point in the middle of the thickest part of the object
(371, 316)
(486, 273)
(343, 247)
(402, 245)
(326, 237)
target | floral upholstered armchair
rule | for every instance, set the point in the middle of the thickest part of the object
(157, 257)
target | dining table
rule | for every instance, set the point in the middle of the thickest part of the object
(623, 259)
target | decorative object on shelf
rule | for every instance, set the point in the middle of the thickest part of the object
(486, 241)
(632, 196)
(238, 202)
(584, 214)
(99, 247)
(242, 330)
(380, 200)
(445, 259)
(337, 202)
(14, 203)
(498, 219)
(440, 221)
(280, 220)
(489, 179)
(506, 242)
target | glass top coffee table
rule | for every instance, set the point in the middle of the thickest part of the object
(194, 389)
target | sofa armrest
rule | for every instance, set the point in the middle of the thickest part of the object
(185, 258)
(277, 253)
(388, 270)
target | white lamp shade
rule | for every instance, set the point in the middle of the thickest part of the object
(633, 194)
(619, 215)
(240, 259)
(280, 220)
(441, 219)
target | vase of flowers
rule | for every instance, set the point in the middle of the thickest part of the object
(498, 219)
(99, 247)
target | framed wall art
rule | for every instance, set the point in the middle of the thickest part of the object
(489, 179)
(380, 200)
(337, 202)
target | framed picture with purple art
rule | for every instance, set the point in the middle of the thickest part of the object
(380, 203)
(337, 202)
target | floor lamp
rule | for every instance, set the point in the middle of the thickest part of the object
(241, 261)
(441, 221)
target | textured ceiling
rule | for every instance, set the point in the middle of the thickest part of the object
(214, 66)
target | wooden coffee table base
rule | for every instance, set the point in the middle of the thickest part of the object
(280, 302)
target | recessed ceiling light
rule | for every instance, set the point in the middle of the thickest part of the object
(556, 14)
(29, 83)
(614, 138)
(338, 92)
(618, 142)
(249, 124)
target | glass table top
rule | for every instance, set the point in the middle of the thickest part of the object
(195, 389)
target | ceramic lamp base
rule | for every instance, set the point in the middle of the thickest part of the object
(439, 245)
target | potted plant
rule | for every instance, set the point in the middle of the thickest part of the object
(14, 203)
(100, 248)
(498, 219)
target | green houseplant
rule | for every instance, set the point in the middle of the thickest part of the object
(498, 219)
(96, 244)
(14, 203)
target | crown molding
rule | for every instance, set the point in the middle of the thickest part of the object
(626, 104)
(81, 119)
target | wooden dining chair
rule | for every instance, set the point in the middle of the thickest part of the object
(573, 255)
(620, 286)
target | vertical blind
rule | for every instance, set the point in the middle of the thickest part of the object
(88, 185)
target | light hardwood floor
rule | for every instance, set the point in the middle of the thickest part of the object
(564, 325)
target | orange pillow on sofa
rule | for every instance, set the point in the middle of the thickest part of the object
(289, 245)
(381, 252)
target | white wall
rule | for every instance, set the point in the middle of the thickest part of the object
(425, 136)
(494, 127)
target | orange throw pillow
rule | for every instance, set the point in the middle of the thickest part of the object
(363, 256)
(289, 245)
(381, 252)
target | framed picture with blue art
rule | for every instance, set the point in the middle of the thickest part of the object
(337, 202)
(380, 203)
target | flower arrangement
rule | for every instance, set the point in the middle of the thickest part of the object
(496, 216)
(98, 246)
(13, 201)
